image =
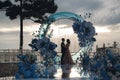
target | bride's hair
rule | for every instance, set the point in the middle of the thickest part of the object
(68, 41)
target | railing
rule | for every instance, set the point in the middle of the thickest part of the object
(10, 55)
(13, 50)
(8, 62)
(8, 69)
(7, 78)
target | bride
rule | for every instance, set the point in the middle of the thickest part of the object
(67, 61)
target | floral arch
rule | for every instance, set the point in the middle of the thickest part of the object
(83, 29)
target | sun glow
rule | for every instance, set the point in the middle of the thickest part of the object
(58, 30)
(64, 29)
(9, 29)
(30, 29)
(100, 29)
(61, 30)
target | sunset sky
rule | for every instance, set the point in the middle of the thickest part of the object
(105, 16)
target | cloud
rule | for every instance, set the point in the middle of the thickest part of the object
(102, 29)
(108, 14)
(27, 29)
(10, 40)
(74, 5)
(103, 12)
(107, 37)
(115, 28)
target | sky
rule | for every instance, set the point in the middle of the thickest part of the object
(105, 16)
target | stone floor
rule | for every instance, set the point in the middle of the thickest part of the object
(8, 69)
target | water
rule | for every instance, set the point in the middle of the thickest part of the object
(74, 75)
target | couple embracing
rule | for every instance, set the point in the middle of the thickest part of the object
(66, 56)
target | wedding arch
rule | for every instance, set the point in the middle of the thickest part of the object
(84, 31)
(82, 28)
